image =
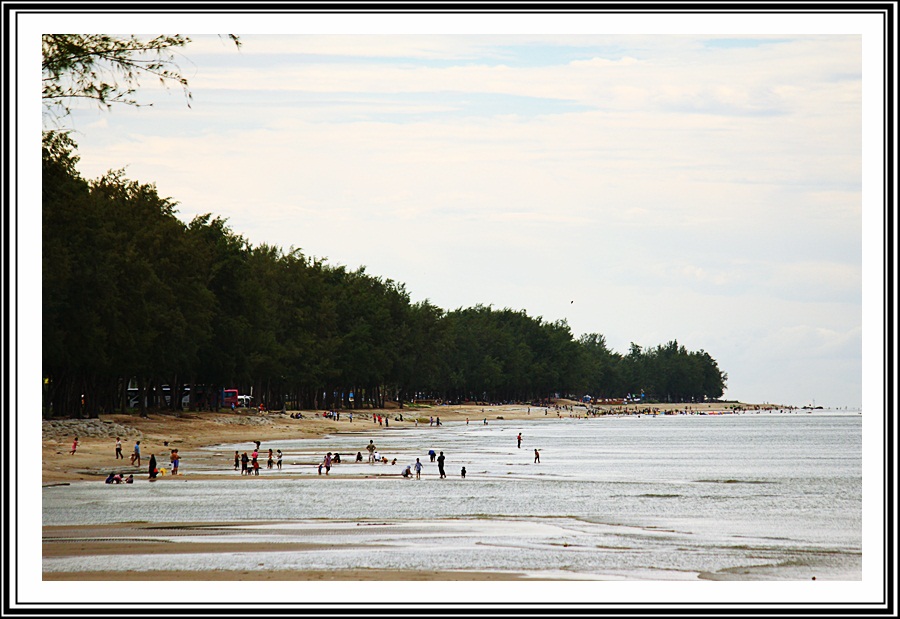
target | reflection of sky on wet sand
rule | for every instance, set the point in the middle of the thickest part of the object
(665, 498)
(495, 545)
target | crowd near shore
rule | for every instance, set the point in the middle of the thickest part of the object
(126, 448)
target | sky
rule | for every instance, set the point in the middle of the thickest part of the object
(704, 188)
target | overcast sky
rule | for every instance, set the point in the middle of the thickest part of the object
(702, 188)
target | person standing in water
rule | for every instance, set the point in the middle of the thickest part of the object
(519, 439)
(418, 467)
(537, 457)
(440, 461)
(371, 449)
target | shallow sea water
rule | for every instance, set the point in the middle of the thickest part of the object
(739, 497)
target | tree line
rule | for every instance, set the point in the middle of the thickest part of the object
(133, 296)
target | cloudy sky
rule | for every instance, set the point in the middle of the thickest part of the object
(705, 188)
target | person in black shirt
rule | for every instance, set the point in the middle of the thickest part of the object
(440, 461)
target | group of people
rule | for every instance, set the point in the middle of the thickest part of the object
(152, 470)
(331, 459)
(249, 465)
(417, 467)
(116, 478)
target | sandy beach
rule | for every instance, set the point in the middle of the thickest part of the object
(159, 433)
(190, 431)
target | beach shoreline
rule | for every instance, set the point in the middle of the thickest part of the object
(192, 433)
(285, 543)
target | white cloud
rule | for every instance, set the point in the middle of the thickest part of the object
(708, 195)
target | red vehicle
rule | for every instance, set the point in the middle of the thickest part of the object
(230, 398)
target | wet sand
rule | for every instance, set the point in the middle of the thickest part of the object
(285, 575)
(190, 431)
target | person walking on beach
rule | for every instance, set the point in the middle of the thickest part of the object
(237, 460)
(174, 458)
(271, 461)
(327, 462)
(463, 472)
(256, 467)
(119, 448)
(245, 464)
(136, 455)
(537, 457)
(278, 461)
(254, 460)
(519, 439)
(440, 461)
(74, 446)
(418, 466)
(151, 469)
(371, 449)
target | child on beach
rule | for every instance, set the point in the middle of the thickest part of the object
(175, 460)
(256, 467)
(237, 461)
(279, 459)
(271, 461)
(74, 446)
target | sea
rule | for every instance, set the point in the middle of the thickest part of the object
(762, 496)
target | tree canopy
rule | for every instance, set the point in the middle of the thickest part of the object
(107, 69)
(134, 299)
(133, 295)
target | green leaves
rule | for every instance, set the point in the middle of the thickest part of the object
(131, 292)
(104, 68)
(107, 69)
